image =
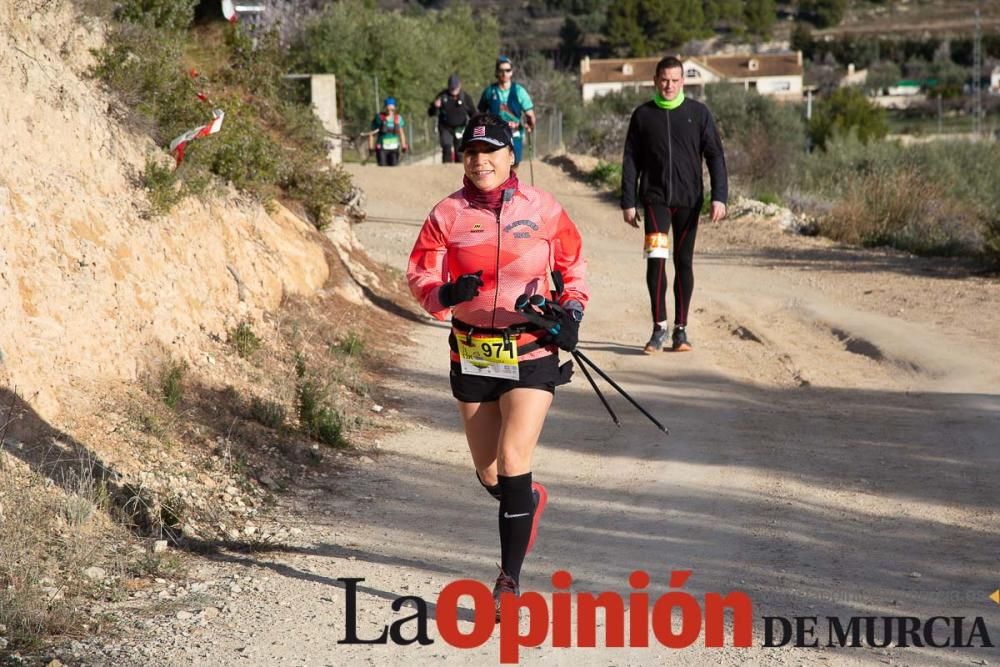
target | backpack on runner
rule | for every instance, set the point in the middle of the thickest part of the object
(388, 131)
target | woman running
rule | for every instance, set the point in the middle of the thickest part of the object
(479, 250)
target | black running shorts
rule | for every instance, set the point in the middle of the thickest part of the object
(542, 373)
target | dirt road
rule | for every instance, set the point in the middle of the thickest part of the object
(834, 451)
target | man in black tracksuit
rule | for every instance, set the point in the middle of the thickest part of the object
(453, 107)
(667, 140)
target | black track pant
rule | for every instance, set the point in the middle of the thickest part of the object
(449, 145)
(684, 224)
(387, 158)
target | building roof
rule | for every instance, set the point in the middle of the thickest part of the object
(625, 70)
(741, 66)
(629, 70)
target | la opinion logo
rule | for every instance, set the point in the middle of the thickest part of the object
(554, 618)
(558, 615)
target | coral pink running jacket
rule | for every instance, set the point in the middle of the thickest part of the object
(516, 250)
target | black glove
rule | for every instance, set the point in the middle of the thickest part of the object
(463, 289)
(568, 323)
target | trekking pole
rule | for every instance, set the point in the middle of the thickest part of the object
(559, 284)
(584, 358)
(597, 390)
(524, 305)
(531, 155)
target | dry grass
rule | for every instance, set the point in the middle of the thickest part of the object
(31, 604)
(901, 209)
(49, 535)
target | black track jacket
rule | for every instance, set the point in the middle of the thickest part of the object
(454, 111)
(663, 154)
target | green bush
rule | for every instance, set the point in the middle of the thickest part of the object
(172, 15)
(162, 187)
(608, 176)
(318, 420)
(241, 153)
(172, 382)
(257, 60)
(847, 110)
(767, 198)
(604, 124)
(327, 427)
(244, 340)
(267, 412)
(267, 146)
(142, 65)
(319, 190)
(352, 345)
(764, 141)
(824, 13)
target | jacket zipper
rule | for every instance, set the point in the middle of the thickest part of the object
(496, 273)
(670, 163)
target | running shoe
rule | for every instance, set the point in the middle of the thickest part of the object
(541, 497)
(504, 584)
(656, 341)
(680, 341)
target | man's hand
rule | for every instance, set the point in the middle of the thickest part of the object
(718, 211)
(529, 120)
(628, 215)
(437, 102)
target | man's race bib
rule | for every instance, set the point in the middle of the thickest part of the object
(488, 356)
(390, 143)
(657, 246)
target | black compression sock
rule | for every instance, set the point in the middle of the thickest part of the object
(492, 490)
(517, 508)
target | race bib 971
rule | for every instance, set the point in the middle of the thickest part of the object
(488, 356)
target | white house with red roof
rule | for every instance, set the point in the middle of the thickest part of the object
(775, 74)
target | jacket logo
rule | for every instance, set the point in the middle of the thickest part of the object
(476, 228)
(521, 223)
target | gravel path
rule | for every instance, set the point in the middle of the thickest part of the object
(833, 452)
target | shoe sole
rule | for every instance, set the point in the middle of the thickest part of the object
(684, 347)
(651, 349)
(543, 499)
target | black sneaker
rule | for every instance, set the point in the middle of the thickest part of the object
(656, 341)
(504, 584)
(680, 341)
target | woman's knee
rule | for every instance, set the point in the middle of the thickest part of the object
(513, 461)
(682, 263)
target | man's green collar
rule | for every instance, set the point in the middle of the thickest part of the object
(664, 103)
